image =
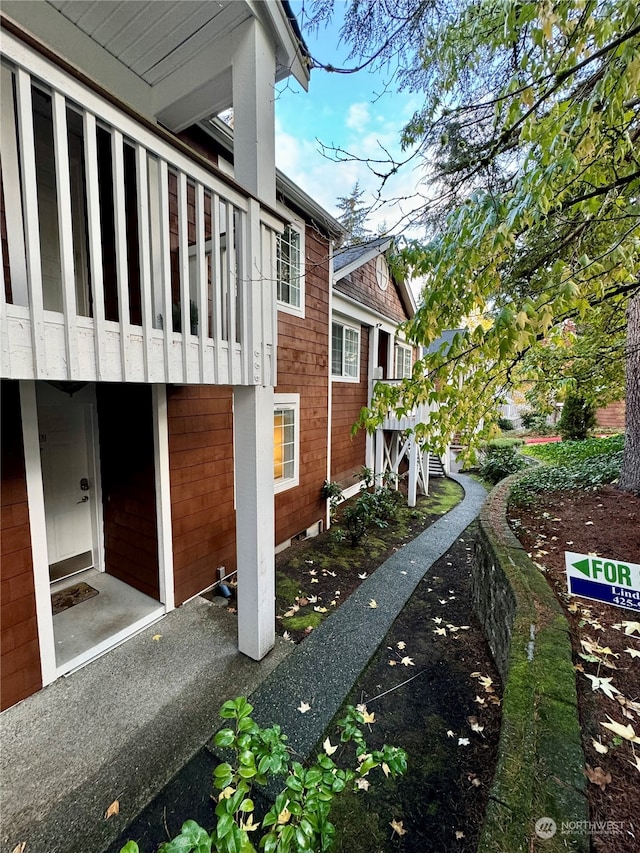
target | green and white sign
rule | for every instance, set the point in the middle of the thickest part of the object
(603, 579)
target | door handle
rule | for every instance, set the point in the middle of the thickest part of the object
(83, 500)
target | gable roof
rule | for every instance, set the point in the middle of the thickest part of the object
(350, 258)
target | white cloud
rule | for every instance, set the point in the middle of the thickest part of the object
(358, 116)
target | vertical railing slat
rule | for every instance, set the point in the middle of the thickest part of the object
(5, 352)
(201, 281)
(65, 229)
(144, 244)
(183, 247)
(95, 238)
(216, 287)
(165, 260)
(231, 290)
(31, 220)
(248, 238)
(120, 228)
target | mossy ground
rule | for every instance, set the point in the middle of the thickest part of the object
(321, 572)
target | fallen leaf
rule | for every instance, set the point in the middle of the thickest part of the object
(362, 784)
(635, 653)
(441, 631)
(393, 663)
(486, 682)
(475, 726)
(286, 636)
(459, 835)
(312, 599)
(599, 747)
(598, 776)
(625, 732)
(303, 602)
(113, 809)
(319, 609)
(437, 619)
(474, 780)
(631, 627)
(385, 768)
(480, 700)
(312, 572)
(463, 741)
(401, 645)
(603, 684)
(635, 763)
(284, 816)
(407, 661)
(396, 826)
(157, 637)
(315, 580)
(362, 576)
(442, 600)
(328, 748)
(303, 707)
(373, 603)
(451, 734)
(19, 848)
(572, 608)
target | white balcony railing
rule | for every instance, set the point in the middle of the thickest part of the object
(123, 259)
(419, 414)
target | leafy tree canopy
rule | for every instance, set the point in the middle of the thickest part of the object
(530, 135)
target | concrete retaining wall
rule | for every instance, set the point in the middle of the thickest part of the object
(540, 770)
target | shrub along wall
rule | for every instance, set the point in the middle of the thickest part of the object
(540, 770)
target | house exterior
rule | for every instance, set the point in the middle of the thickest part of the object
(137, 317)
(368, 304)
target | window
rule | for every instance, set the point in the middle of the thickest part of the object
(290, 270)
(286, 441)
(345, 351)
(403, 362)
(382, 272)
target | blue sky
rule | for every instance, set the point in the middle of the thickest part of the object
(353, 112)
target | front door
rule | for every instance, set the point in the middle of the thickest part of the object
(68, 487)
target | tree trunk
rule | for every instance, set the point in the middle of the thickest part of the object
(630, 473)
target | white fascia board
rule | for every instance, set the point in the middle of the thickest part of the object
(350, 308)
(291, 60)
(363, 259)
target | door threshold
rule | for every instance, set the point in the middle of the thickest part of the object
(110, 643)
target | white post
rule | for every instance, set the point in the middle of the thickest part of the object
(253, 452)
(413, 471)
(163, 496)
(254, 70)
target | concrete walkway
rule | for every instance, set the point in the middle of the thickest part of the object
(123, 726)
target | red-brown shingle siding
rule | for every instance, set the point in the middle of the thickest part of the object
(201, 472)
(303, 365)
(347, 453)
(20, 656)
(612, 416)
(362, 285)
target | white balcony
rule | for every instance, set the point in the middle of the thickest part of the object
(125, 259)
(419, 414)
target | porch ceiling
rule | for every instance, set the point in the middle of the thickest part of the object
(157, 54)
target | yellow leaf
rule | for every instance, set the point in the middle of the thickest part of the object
(401, 645)
(157, 637)
(407, 661)
(248, 825)
(393, 663)
(459, 835)
(284, 816)
(599, 747)
(320, 609)
(396, 826)
(373, 603)
(362, 784)
(635, 653)
(328, 748)
(19, 848)
(385, 769)
(113, 809)
(303, 707)
(625, 732)
(631, 627)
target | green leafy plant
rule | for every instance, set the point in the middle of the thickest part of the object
(332, 492)
(499, 462)
(374, 507)
(298, 820)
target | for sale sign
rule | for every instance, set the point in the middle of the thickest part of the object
(602, 579)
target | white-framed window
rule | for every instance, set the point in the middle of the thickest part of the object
(345, 352)
(290, 269)
(286, 441)
(403, 362)
(382, 272)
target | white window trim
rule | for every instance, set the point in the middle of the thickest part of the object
(296, 310)
(345, 325)
(399, 347)
(290, 401)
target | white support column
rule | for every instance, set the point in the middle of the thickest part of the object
(163, 496)
(253, 452)
(378, 465)
(37, 522)
(253, 112)
(414, 452)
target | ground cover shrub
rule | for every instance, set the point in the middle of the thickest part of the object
(571, 465)
(298, 820)
(500, 462)
(503, 442)
(505, 424)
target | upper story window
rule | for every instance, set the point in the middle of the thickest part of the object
(382, 272)
(345, 352)
(290, 270)
(286, 441)
(403, 362)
